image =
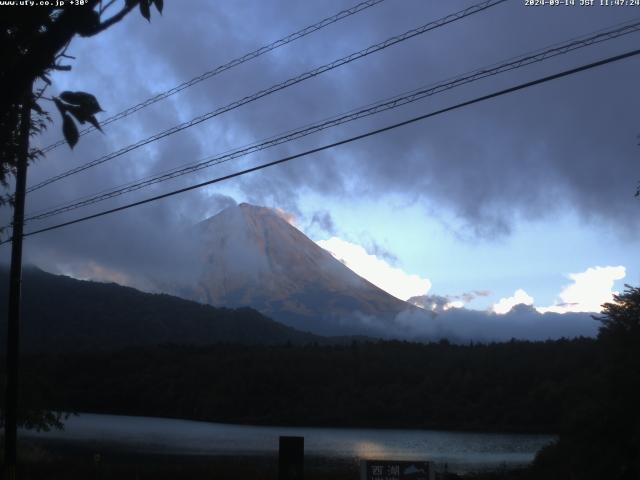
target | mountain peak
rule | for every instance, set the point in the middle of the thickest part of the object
(245, 208)
(254, 256)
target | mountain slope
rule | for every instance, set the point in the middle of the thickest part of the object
(64, 314)
(252, 256)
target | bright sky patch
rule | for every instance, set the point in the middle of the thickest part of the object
(391, 279)
(589, 290)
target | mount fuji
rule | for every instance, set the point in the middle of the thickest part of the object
(252, 256)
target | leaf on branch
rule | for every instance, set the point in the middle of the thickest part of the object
(78, 113)
(62, 108)
(35, 153)
(159, 5)
(88, 102)
(92, 120)
(69, 130)
(37, 108)
(145, 10)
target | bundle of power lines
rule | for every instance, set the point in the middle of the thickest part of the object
(303, 131)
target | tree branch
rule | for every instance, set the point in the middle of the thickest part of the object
(104, 9)
(64, 50)
(43, 53)
(111, 21)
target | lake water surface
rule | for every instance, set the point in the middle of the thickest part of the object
(460, 450)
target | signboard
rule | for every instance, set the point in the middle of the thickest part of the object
(396, 470)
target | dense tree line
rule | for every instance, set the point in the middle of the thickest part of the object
(515, 386)
(601, 439)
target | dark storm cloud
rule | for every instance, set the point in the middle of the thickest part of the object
(567, 145)
(435, 303)
(378, 250)
(570, 145)
(324, 221)
(440, 303)
(468, 296)
(373, 247)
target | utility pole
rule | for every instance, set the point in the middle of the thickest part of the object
(15, 283)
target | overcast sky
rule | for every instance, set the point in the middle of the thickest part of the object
(527, 198)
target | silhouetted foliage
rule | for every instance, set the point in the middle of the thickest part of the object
(602, 437)
(33, 43)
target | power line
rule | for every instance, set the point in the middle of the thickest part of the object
(280, 86)
(231, 64)
(394, 102)
(342, 142)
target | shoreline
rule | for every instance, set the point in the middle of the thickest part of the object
(329, 425)
(80, 460)
(47, 453)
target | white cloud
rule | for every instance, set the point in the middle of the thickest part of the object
(390, 279)
(589, 290)
(454, 304)
(505, 305)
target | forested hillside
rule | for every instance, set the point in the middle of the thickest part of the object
(61, 314)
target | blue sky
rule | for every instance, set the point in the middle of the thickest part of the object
(536, 256)
(515, 193)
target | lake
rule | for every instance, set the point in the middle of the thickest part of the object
(461, 451)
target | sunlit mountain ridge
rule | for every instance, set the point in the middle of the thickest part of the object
(252, 256)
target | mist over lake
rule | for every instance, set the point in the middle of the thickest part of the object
(461, 451)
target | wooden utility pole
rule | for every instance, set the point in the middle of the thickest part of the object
(15, 281)
(291, 458)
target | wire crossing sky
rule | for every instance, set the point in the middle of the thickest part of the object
(378, 107)
(233, 63)
(516, 88)
(479, 7)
